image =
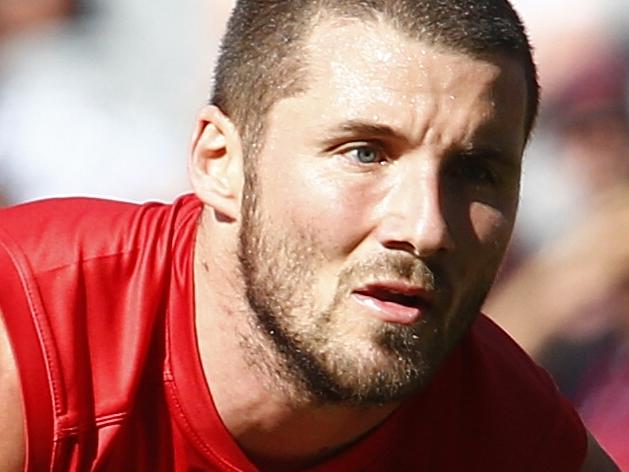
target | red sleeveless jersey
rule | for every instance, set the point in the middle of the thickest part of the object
(98, 303)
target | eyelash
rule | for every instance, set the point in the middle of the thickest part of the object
(475, 170)
(351, 153)
(470, 168)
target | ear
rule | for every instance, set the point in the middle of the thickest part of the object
(216, 163)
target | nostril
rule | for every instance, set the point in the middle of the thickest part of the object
(405, 246)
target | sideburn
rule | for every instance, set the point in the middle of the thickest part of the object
(293, 369)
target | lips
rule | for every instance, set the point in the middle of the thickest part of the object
(394, 302)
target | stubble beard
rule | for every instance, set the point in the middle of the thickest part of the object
(308, 352)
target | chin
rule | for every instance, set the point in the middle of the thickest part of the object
(369, 374)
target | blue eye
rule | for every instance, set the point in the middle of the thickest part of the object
(366, 155)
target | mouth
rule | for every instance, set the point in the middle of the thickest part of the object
(395, 302)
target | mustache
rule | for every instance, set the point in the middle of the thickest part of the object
(402, 267)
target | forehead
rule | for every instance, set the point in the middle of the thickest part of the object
(367, 70)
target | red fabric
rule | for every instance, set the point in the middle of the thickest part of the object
(98, 302)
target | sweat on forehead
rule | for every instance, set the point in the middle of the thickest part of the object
(261, 58)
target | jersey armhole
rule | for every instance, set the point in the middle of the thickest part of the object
(21, 308)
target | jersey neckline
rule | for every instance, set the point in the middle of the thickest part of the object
(189, 394)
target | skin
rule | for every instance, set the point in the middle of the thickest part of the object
(431, 201)
(11, 415)
(445, 134)
(432, 207)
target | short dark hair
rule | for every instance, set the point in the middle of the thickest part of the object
(261, 55)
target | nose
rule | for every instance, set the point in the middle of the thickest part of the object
(413, 214)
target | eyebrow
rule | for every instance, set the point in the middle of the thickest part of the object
(360, 128)
(372, 130)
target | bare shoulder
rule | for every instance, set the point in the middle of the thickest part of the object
(597, 459)
(12, 444)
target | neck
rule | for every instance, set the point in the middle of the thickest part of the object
(276, 427)
(299, 438)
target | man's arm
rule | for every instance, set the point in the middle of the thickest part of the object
(12, 443)
(597, 459)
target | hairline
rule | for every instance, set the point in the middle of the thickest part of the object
(298, 57)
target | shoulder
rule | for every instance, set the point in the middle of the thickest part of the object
(499, 356)
(522, 406)
(82, 228)
(507, 374)
(72, 270)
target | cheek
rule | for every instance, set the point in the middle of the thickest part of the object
(331, 210)
(491, 226)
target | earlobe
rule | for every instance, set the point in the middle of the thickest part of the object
(215, 165)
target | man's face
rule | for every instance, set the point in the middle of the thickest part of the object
(381, 205)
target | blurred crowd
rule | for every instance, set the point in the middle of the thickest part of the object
(563, 293)
(98, 98)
